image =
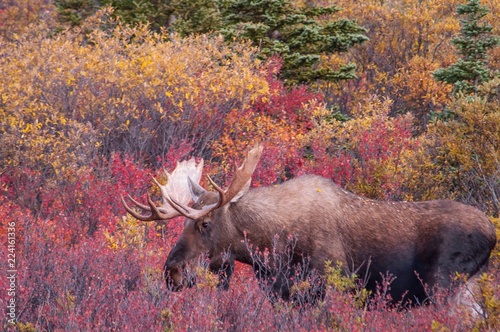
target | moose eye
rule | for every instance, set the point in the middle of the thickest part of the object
(204, 224)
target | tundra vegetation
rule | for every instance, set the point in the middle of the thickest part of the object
(94, 109)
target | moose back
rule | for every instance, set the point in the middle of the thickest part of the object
(418, 243)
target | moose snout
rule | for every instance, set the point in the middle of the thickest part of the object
(173, 278)
(177, 277)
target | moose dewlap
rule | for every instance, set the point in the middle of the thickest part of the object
(418, 243)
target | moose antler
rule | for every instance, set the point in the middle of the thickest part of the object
(176, 188)
(241, 179)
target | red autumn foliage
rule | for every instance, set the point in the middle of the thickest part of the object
(71, 279)
(368, 161)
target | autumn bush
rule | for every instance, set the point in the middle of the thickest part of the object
(408, 41)
(467, 148)
(371, 154)
(17, 16)
(132, 92)
(89, 114)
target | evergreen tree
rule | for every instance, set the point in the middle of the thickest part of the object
(299, 35)
(74, 12)
(473, 43)
(183, 16)
(156, 12)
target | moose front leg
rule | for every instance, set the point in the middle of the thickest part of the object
(224, 268)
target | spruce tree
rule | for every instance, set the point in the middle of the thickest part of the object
(298, 35)
(154, 12)
(193, 16)
(472, 45)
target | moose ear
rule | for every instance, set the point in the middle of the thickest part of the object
(242, 192)
(196, 190)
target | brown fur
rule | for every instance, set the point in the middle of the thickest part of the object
(432, 239)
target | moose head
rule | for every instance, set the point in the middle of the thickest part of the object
(206, 224)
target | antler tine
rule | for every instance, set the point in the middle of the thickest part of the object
(190, 212)
(162, 188)
(215, 185)
(145, 207)
(156, 213)
(242, 175)
(140, 205)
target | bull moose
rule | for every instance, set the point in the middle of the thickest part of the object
(418, 243)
